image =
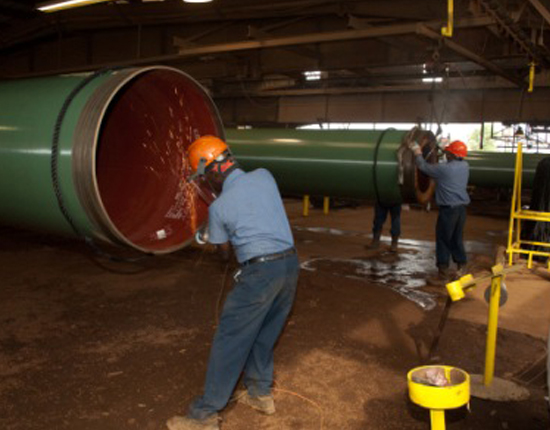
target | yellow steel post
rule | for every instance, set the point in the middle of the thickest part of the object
(306, 205)
(520, 172)
(448, 30)
(531, 76)
(326, 205)
(492, 326)
(517, 173)
(437, 418)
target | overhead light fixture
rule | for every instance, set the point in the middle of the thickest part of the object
(313, 75)
(429, 80)
(197, 1)
(54, 6)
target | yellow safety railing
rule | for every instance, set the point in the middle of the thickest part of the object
(517, 215)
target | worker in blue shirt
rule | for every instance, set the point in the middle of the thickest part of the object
(248, 214)
(451, 196)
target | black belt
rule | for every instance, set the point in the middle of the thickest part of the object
(269, 257)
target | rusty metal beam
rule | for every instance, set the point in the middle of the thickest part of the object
(190, 41)
(542, 9)
(456, 85)
(334, 36)
(466, 53)
(304, 39)
(512, 28)
(261, 34)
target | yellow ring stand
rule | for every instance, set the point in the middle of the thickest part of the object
(423, 391)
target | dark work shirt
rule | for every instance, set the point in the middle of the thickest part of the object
(451, 180)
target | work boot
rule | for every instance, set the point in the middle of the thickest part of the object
(186, 423)
(444, 273)
(263, 404)
(442, 278)
(461, 269)
(394, 241)
(375, 244)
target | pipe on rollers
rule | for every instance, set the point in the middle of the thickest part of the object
(119, 165)
(361, 164)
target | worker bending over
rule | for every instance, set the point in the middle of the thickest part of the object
(451, 196)
(249, 214)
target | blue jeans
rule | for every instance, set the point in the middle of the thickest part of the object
(448, 235)
(253, 317)
(380, 215)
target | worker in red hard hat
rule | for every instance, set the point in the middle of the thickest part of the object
(247, 215)
(210, 153)
(452, 198)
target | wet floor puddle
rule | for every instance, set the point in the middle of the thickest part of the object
(404, 273)
(401, 275)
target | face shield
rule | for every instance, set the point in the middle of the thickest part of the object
(204, 189)
(200, 180)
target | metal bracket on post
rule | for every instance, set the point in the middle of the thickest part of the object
(448, 30)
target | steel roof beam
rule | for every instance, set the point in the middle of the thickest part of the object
(334, 36)
(325, 37)
(466, 53)
(542, 9)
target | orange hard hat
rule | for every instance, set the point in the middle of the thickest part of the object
(457, 148)
(207, 148)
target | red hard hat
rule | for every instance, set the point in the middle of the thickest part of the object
(457, 148)
(207, 147)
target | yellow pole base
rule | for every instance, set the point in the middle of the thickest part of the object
(500, 390)
(306, 205)
(437, 419)
(326, 205)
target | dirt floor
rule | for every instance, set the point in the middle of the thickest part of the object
(91, 345)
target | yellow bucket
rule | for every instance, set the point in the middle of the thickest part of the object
(423, 391)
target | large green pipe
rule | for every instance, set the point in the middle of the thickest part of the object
(355, 164)
(496, 169)
(120, 158)
(358, 164)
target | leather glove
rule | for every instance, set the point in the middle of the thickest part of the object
(415, 148)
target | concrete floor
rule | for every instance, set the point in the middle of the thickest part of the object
(90, 344)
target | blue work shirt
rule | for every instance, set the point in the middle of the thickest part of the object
(451, 180)
(250, 214)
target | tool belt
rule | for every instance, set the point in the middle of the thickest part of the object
(269, 257)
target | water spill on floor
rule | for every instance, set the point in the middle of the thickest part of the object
(404, 273)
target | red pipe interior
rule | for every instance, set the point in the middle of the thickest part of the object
(141, 167)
